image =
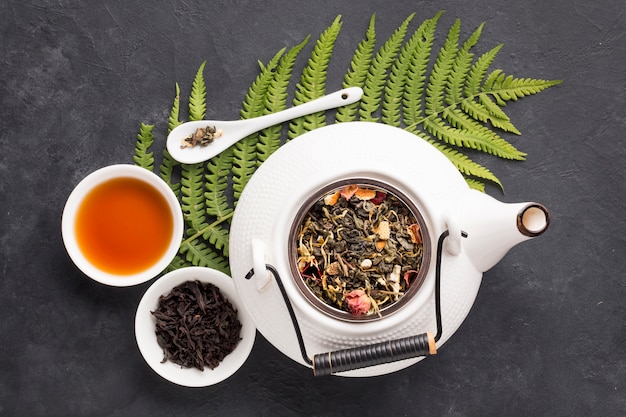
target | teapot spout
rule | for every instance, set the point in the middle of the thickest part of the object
(493, 227)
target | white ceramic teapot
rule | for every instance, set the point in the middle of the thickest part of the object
(465, 233)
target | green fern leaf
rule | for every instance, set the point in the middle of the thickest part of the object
(480, 140)
(359, 66)
(497, 116)
(143, 157)
(412, 107)
(480, 112)
(166, 169)
(168, 163)
(172, 120)
(441, 70)
(505, 88)
(475, 184)
(494, 110)
(192, 196)
(254, 102)
(476, 110)
(244, 151)
(493, 143)
(463, 163)
(377, 74)
(276, 100)
(213, 233)
(244, 165)
(488, 84)
(197, 98)
(216, 181)
(312, 83)
(217, 236)
(460, 68)
(176, 263)
(199, 254)
(396, 84)
(478, 71)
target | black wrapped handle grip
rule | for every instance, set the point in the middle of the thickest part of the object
(374, 354)
(369, 355)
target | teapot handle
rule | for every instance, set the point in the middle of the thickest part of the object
(358, 357)
(374, 354)
(453, 244)
(263, 277)
(368, 355)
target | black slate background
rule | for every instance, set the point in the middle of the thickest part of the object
(546, 335)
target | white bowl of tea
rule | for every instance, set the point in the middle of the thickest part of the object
(192, 329)
(122, 225)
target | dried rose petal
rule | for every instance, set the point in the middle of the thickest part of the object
(380, 197)
(310, 271)
(409, 276)
(358, 302)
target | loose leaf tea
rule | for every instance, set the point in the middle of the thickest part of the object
(202, 136)
(359, 249)
(196, 326)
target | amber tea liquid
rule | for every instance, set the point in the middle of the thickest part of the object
(124, 226)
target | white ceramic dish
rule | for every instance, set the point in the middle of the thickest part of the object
(74, 202)
(152, 352)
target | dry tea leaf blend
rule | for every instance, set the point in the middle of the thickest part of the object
(359, 249)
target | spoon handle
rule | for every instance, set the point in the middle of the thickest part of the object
(330, 101)
(235, 130)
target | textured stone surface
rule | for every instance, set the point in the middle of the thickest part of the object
(546, 335)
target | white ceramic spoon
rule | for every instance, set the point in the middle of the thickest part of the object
(235, 130)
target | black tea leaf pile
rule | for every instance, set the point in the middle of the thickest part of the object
(196, 326)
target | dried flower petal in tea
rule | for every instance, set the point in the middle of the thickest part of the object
(359, 249)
